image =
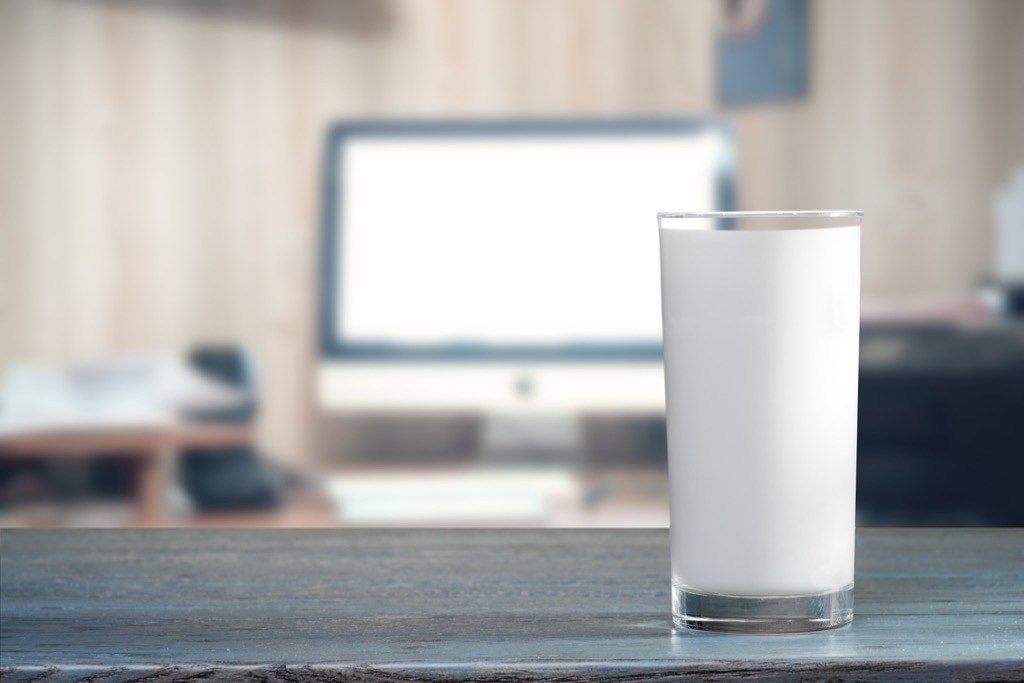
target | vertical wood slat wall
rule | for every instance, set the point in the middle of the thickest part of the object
(159, 162)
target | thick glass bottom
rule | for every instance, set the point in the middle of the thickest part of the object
(765, 614)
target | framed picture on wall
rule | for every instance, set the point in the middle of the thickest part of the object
(761, 52)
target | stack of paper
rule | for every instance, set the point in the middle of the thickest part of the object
(123, 392)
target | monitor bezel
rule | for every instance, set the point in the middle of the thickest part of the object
(334, 346)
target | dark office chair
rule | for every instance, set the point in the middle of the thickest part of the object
(234, 477)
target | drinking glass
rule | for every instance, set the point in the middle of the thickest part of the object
(761, 329)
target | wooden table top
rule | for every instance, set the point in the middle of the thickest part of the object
(142, 440)
(156, 605)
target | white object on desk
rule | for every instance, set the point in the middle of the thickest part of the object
(453, 497)
(125, 392)
(1009, 216)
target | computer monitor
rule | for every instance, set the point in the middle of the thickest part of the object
(504, 266)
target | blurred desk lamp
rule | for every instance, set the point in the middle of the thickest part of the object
(505, 268)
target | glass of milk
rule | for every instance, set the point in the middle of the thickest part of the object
(761, 323)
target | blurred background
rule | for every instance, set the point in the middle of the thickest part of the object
(395, 263)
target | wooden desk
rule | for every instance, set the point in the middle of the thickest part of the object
(166, 605)
(152, 450)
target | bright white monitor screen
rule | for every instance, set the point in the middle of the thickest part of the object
(511, 241)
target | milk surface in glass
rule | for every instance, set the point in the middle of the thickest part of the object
(761, 356)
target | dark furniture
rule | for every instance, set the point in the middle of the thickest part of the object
(164, 605)
(151, 451)
(940, 438)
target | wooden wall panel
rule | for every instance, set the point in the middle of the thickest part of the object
(159, 182)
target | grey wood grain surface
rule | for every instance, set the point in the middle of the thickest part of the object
(154, 605)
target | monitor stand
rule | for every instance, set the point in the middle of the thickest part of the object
(519, 438)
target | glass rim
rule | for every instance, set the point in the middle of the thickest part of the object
(840, 213)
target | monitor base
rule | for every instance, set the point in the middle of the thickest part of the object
(526, 438)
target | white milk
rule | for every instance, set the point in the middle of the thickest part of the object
(761, 352)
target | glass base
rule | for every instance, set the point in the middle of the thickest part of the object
(767, 614)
